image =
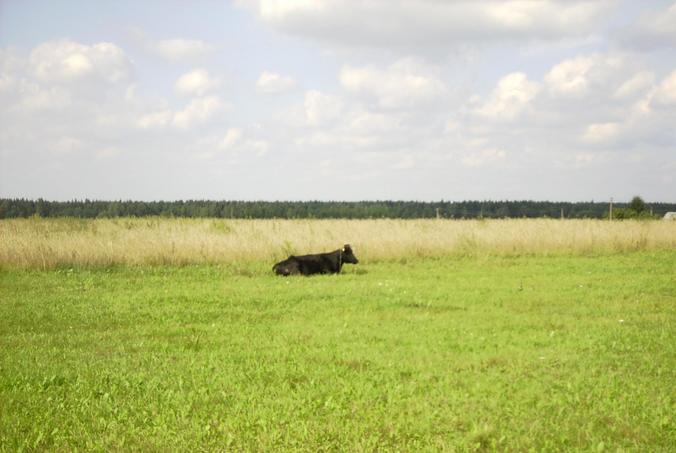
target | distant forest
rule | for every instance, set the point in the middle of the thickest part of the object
(13, 208)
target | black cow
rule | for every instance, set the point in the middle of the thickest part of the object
(321, 263)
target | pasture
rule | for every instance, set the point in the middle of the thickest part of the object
(174, 335)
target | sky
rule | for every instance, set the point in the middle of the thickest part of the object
(560, 100)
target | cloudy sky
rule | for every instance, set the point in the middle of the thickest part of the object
(338, 100)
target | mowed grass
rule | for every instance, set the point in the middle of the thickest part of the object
(517, 353)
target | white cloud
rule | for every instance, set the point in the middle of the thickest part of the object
(342, 122)
(363, 121)
(272, 83)
(232, 137)
(601, 133)
(635, 123)
(577, 77)
(236, 142)
(34, 97)
(65, 99)
(198, 111)
(341, 138)
(665, 95)
(569, 77)
(578, 112)
(65, 76)
(322, 109)
(588, 104)
(155, 119)
(179, 49)
(635, 85)
(512, 95)
(197, 82)
(69, 61)
(7, 83)
(406, 83)
(258, 147)
(385, 23)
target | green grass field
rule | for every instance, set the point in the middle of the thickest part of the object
(547, 353)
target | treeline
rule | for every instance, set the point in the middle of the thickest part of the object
(13, 208)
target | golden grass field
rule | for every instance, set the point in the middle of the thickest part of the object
(48, 243)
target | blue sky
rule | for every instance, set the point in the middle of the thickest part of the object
(337, 100)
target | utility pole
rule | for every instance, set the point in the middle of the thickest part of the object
(438, 215)
(561, 213)
(610, 212)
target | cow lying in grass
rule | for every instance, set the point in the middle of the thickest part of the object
(321, 263)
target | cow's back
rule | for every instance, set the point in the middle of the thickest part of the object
(321, 263)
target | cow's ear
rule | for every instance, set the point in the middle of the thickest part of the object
(346, 248)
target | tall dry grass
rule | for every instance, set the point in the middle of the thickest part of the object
(49, 243)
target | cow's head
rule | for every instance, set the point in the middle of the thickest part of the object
(348, 256)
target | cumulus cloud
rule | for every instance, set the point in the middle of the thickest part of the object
(341, 120)
(26, 96)
(573, 115)
(232, 137)
(197, 82)
(236, 143)
(155, 119)
(180, 49)
(78, 103)
(665, 95)
(69, 61)
(68, 106)
(249, 146)
(406, 83)
(384, 23)
(570, 76)
(321, 108)
(582, 75)
(197, 111)
(7, 83)
(272, 83)
(636, 85)
(65, 76)
(175, 50)
(512, 95)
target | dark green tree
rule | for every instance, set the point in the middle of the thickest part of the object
(637, 205)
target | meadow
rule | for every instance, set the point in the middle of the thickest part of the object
(173, 335)
(50, 243)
